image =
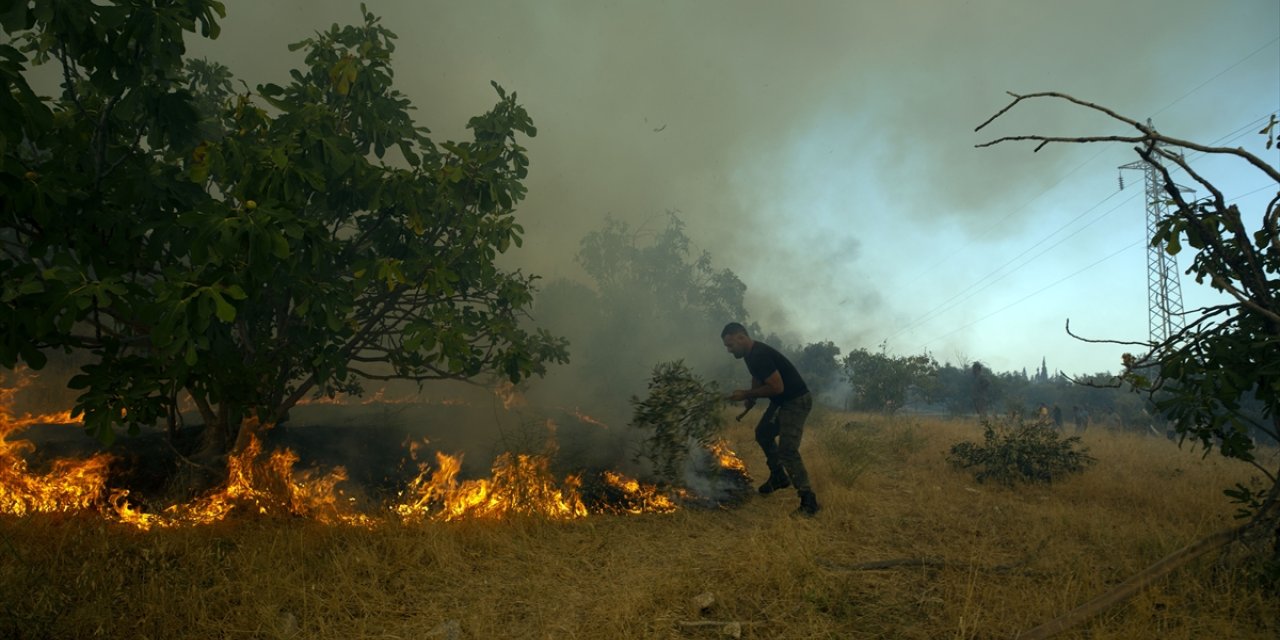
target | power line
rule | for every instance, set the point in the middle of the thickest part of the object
(1034, 293)
(998, 223)
(1064, 176)
(961, 297)
(946, 305)
(1068, 277)
(1217, 75)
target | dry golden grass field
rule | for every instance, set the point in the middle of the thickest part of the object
(887, 494)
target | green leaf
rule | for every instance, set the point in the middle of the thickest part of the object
(223, 309)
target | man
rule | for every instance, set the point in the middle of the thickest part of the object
(779, 431)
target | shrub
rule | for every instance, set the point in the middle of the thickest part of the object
(1020, 452)
(681, 408)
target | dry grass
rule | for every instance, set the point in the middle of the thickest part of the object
(886, 490)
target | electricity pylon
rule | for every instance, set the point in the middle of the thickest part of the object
(1164, 291)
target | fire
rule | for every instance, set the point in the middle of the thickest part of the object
(726, 457)
(256, 483)
(577, 413)
(509, 395)
(68, 485)
(635, 497)
(268, 483)
(520, 485)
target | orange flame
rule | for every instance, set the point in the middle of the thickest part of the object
(69, 485)
(509, 395)
(726, 456)
(265, 483)
(256, 484)
(520, 485)
(577, 413)
(636, 497)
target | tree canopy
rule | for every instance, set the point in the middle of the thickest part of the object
(882, 382)
(248, 249)
(651, 298)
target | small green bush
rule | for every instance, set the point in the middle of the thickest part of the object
(1016, 452)
(680, 409)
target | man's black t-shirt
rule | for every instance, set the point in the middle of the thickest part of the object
(763, 360)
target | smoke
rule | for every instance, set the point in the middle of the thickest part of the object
(816, 149)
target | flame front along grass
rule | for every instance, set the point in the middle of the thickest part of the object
(999, 560)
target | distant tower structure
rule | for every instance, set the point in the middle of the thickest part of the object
(1164, 290)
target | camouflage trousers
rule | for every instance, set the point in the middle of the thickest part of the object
(778, 434)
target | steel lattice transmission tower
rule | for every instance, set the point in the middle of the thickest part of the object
(1164, 291)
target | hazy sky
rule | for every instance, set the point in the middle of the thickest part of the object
(824, 150)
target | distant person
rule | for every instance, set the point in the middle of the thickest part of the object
(781, 427)
(1057, 417)
(1081, 417)
(981, 384)
(1042, 415)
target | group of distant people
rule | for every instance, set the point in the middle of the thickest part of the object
(1046, 417)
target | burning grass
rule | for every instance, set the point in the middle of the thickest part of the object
(1006, 559)
(267, 483)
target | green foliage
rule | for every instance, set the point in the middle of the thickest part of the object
(1020, 452)
(622, 261)
(819, 365)
(1206, 377)
(1218, 379)
(247, 249)
(882, 382)
(680, 412)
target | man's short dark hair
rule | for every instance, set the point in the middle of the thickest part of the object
(733, 328)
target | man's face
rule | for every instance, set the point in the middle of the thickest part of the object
(738, 344)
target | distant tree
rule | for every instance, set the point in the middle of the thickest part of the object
(651, 298)
(622, 262)
(881, 382)
(819, 365)
(247, 250)
(1202, 376)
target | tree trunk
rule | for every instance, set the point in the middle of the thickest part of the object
(215, 434)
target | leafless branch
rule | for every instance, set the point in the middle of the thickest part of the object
(1127, 343)
(1149, 135)
(1045, 140)
(1137, 582)
(1054, 94)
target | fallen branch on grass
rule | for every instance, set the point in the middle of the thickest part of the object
(731, 628)
(930, 563)
(1137, 582)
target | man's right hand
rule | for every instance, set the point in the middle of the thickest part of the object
(748, 403)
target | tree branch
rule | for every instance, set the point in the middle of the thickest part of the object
(1148, 134)
(1137, 583)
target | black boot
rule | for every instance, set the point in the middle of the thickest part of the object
(808, 505)
(777, 480)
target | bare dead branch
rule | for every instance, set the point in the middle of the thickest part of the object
(1127, 343)
(1137, 583)
(1149, 135)
(1063, 96)
(1044, 140)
